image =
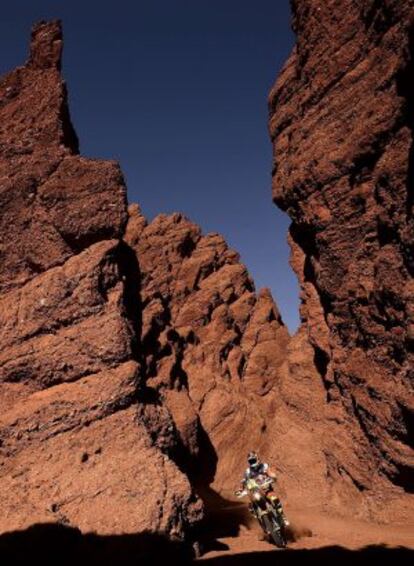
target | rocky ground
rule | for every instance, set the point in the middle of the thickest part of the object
(321, 534)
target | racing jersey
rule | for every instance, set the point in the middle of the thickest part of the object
(260, 474)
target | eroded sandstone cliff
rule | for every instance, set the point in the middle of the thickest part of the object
(72, 448)
(138, 365)
(211, 347)
(341, 121)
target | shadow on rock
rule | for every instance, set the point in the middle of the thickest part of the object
(328, 556)
(60, 545)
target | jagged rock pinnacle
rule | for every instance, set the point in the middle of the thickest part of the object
(46, 45)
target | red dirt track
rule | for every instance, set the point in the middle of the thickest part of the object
(332, 539)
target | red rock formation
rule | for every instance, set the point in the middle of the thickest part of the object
(341, 121)
(212, 348)
(217, 356)
(72, 448)
(118, 357)
(219, 360)
(130, 346)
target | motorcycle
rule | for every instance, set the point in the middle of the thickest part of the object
(264, 511)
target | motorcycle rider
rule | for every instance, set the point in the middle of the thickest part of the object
(260, 472)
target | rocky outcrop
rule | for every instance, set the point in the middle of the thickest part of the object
(72, 447)
(138, 364)
(341, 121)
(212, 348)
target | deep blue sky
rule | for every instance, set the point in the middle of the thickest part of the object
(176, 91)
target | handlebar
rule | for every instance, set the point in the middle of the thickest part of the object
(240, 493)
(245, 491)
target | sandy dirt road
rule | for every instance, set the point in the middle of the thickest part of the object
(334, 541)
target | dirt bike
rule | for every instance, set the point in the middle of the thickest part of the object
(264, 511)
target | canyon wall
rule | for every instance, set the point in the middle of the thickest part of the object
(212, 348)
(341, 123)
(138, 365)
(72, 449)
(218, 357)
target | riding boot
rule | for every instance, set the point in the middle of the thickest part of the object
(282, 516)
(280, 512)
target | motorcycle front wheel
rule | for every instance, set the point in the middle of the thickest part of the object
(274, 530)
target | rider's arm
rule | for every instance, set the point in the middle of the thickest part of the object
(242, 491)
(270, 473)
